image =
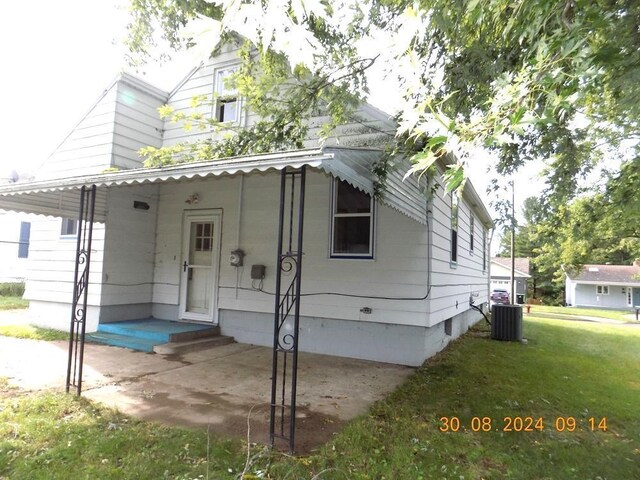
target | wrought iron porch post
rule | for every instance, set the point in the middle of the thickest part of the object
(77, 327)
(286, 326)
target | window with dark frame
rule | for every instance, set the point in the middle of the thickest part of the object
(227, 104)
(25, 235)
(471, 233)
(69, 227)
(204, 237)
(484, 250)
(352, 219)
(454, 228)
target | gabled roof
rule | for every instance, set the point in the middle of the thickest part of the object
(522, 264)
(608, 274)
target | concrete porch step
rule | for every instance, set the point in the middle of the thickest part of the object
(160, 331)
(145, 334)
(174, 348)
(124, 341)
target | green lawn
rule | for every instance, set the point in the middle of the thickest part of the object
(620, 315)
(567, 372)
(13, 303)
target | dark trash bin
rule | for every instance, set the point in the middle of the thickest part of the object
(520, 298)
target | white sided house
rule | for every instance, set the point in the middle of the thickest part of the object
(606, 286)
(391, 280)
(501, 276)
(15, 235)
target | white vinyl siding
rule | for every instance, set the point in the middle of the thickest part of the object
(52, 263)
(122, 121)
(201, 81)
(452, 288)
(128, 264)
(400, 269)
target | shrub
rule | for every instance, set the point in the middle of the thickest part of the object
(13, 289)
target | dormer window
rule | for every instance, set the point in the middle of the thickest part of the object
(227, 107)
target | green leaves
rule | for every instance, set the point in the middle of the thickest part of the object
(529, 80)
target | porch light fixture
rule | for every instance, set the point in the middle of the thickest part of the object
(192, 199)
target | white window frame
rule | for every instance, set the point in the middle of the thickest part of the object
(334, 215)
(471, 233)
(220, 92)
(484, 250)
(629, 293)
(64, 223)
(602, 289)
(455, 224)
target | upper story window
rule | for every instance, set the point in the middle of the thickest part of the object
(454, 228)
(69, 227)
(227, 105)
(352, 220)
(471, 233)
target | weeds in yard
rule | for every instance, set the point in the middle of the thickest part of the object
(13, 303)
(32, 333)
(12, 289)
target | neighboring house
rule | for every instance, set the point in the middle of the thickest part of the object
(15, 235)
(607, 286)
(501, 276)
(390, 280)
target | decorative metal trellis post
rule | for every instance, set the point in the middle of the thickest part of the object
(77, 328)
(284, 376)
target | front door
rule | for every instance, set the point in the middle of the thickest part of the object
(199, 268)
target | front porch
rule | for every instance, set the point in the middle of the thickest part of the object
(220, 387)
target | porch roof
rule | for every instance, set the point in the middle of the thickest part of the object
(59, 197)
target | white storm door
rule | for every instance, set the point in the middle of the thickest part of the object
(199, 267)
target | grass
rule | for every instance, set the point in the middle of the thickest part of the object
(566, 370)
(32, 333)
(58, 436)
(13, 303)
(620, 315)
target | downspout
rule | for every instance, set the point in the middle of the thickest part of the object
(238, 231)
(493, 230)
(428, 218)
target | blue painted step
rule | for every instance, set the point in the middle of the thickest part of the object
(144, 334)
(125, 341)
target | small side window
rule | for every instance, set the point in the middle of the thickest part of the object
(352, 219)
(69, 227)
(454, 228)
(25, 235)
(484, 250)
(471, 233)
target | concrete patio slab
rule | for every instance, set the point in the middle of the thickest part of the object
(218, 387)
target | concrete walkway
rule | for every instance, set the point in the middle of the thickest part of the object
(217, 387)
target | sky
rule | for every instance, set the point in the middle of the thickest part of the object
(58, 57)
